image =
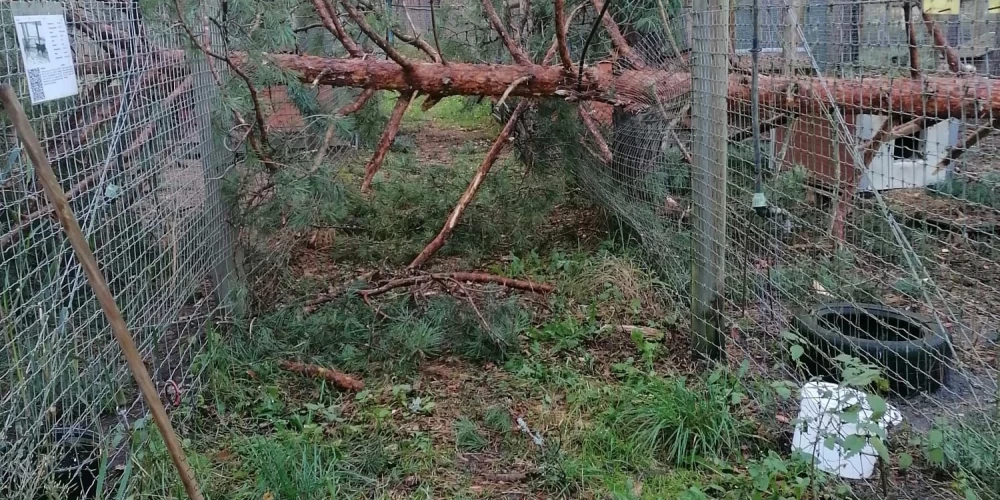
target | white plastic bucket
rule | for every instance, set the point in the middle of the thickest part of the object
(820, 407)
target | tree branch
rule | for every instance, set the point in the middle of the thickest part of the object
(328, 15)
(388, 135)
(484, 168)
(934, 97)
(561, 29)
(868, 150)
(911, 40)
(254, 98)
(529, 286)
(617, 39)
(389, 50)
(434, 30)
(668, 29)
(941, 43)
(331, 130)
(549, 54)
(339, 379)
(519, 55)
(416, 40)
(595, 133)
(970, 140)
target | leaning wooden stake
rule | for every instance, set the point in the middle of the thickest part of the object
(89, 264)
(470, 191)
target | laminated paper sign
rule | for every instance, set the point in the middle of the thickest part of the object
(45, 50)
(942, 7)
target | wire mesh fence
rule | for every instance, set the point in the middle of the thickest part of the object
(856, 225)
(814, 178)
(135, 152)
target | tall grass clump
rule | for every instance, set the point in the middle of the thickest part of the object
(678, 421)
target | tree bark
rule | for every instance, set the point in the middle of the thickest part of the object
(941, 43)
(934, 97)
(388, 135)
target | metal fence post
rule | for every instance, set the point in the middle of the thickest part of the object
(215, 161)
(709, 72)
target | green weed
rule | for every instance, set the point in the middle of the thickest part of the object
(467, 436)
(680, 422)
(498, 420)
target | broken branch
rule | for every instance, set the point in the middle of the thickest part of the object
(388, 135)
(511, 88)
(967, 142)
(331, 130)
(526, 285)
(204, 48)
(339, 379)
(617, 39)
(470, 191)
(595, 133)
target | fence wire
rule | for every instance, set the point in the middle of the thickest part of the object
(877, 163)
(135, 152)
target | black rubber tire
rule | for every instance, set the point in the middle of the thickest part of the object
(911, 366)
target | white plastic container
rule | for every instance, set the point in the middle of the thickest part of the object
(820, 408)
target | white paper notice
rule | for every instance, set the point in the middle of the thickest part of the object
(48, 59)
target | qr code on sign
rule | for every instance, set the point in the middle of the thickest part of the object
(35, 83)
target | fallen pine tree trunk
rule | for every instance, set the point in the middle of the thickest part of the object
(934, 97)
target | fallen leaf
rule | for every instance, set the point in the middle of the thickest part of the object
(820, 290)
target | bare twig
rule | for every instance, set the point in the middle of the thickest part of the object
(308, 27)
(430, 102)
(254, 98)
(471, 277)
(334, 292)
(434, 31)
(470, 191)
(668, 29)
(416, 40)
(12, 236)
(339, 379)
(388, 135)
(549, 54)
(682, 147)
